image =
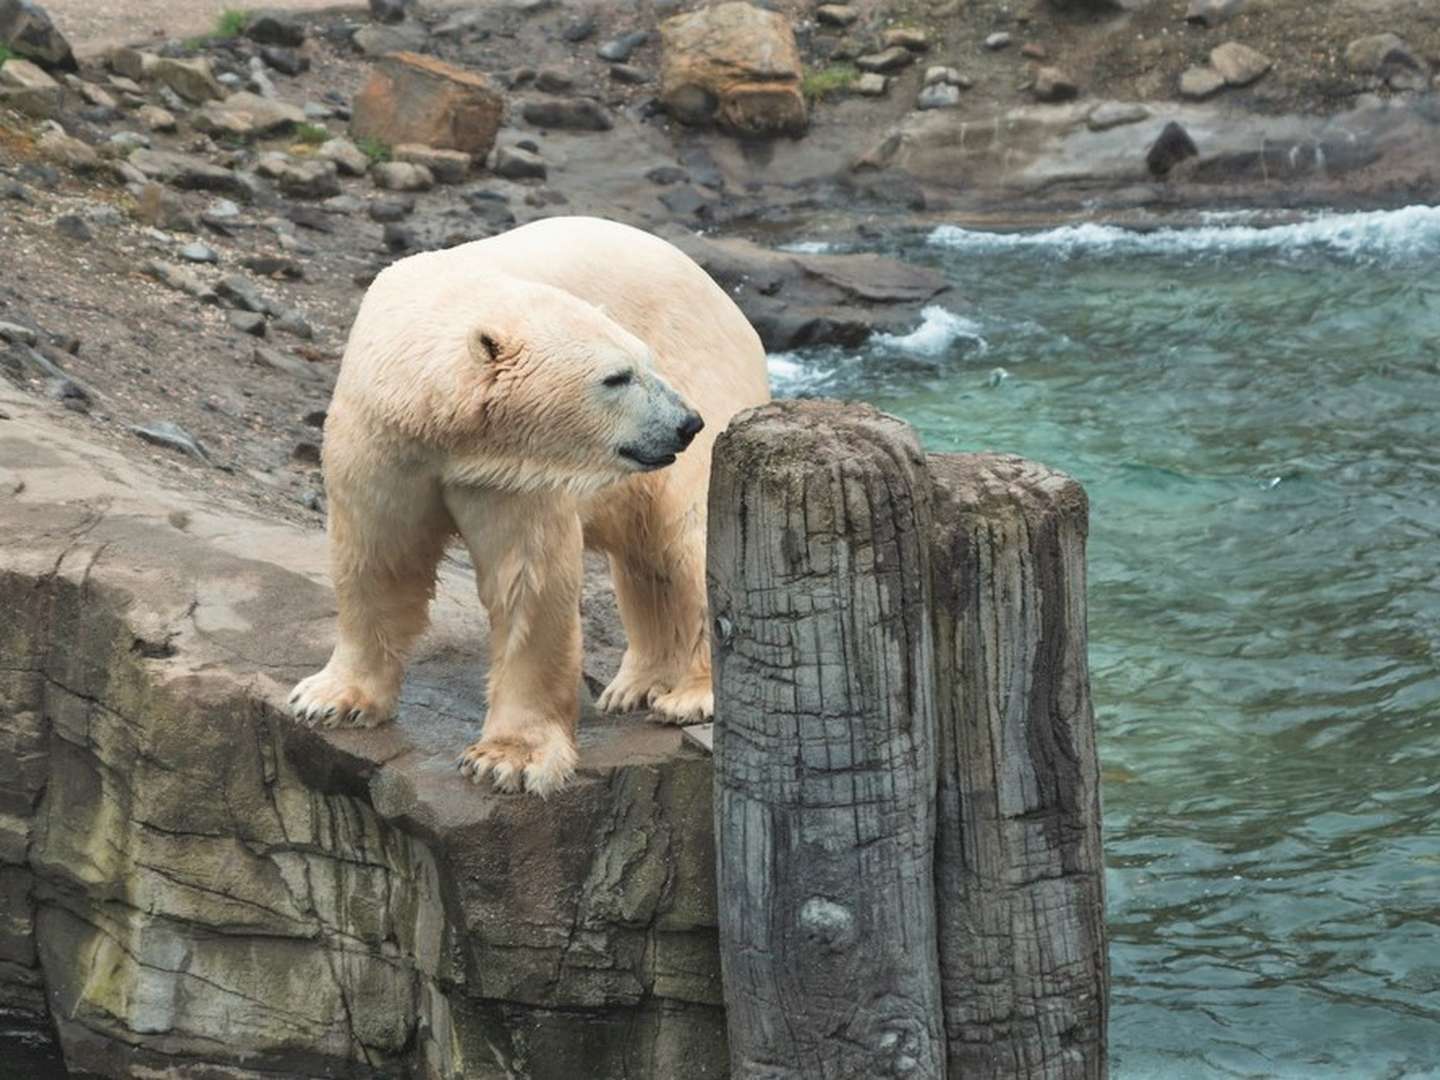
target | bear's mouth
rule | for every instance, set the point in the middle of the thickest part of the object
(646, 461)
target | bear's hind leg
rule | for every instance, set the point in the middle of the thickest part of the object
(384, 548)
(667, 656)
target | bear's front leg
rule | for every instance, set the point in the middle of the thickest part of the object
(527, 555)
(387, 533)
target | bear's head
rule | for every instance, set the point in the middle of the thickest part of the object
(552, 392)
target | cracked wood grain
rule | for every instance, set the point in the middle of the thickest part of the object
(1019, 872)
(824, 745)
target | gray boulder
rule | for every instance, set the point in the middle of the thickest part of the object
(26, 30)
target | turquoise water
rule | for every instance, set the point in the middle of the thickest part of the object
(1256, 416)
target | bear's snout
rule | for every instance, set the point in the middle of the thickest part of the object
(691, 426)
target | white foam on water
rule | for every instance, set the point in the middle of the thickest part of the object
(1415, 230)
(939, 329)
(807, 247)
(791, 374)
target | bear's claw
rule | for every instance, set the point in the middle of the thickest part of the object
(516, 764)
(323, 700)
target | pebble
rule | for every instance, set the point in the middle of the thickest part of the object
(74, 227)
(172, 437)
(248, 322)
(997, 40)
(578, 30)
(629, 74)
(392, 208)
(618, 50)
(399, 237)
(237, 291)
(514, 163)
(199, 253)
(402, 176)
(872, 84)
(292, 321)
(938, 96)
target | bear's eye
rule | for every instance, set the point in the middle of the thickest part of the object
(620, 378)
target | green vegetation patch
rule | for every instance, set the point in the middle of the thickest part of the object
(312, 134)
(820, 84)
(374, 149)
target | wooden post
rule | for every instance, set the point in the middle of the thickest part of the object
(824, 745)
(1018, 872)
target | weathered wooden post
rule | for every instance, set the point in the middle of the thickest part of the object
(906, 785)
(824, 749)
(1018, 869)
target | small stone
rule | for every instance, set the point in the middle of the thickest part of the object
(402, 176)
(840, 15)
(274, 266)
(172, 437)
(446, 166)
(579, 29)
(247, 322)
(315, 418)
(940, 74)
(906, 38)
(618, 50)
(15, 332)
(93, 95)
(318, 113)
(124, 85)
(132, 63)
(629, 75)
(460, 24)
(284, 60)
(269, 28)
(1034, 51)
(1052, 84)
(67, 151)
(160, 208)
(305, 453)
(1198, 83)
(1112, 114)
(938, 96)
(554, 81)
(892, 59)
(125, 141)
(156, 118)
(374, 40)
(871, 84)
(567, 114)
(398, 238)
(1173, 146)
(193, 80)
(199, 253)
(292, 321)
(665, 175)
(282, 361)
(1211, 12)
(998, 40)
(389, 11)
(348, 158)
(248, 116)
(300, 179)
(1239, 65)
(1389, 58)
(686, 202)
(513, 163)
(238, 292)
(393, 208)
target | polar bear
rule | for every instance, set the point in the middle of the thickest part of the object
(557, 386)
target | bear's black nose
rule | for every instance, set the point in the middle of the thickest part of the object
(689, 428)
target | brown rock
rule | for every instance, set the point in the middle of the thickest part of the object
(1239, 65)
(892, 59)
(419, 99)
(1052, 84)
(66, 150)
(191, 79)
(132, 63)
(446, 166)
(836, 15)
(735, 65)
(906, 38)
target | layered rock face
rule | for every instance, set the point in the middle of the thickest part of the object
(192, 882)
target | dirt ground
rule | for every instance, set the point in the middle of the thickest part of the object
(92, 25)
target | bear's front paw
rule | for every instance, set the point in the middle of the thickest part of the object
(328, 700)
(539, 762)
(632, 689)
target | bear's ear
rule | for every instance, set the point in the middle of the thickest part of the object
(484, 346)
